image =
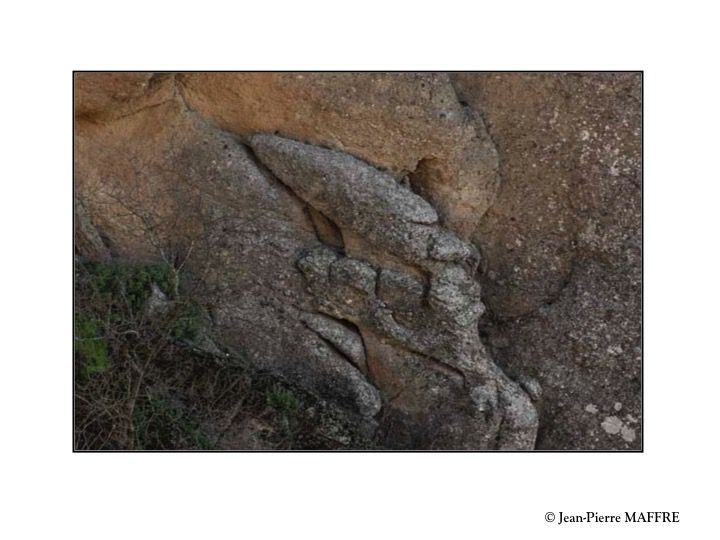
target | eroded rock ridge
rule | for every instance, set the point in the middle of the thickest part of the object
(408, 285)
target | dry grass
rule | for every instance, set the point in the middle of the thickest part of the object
(145, 378)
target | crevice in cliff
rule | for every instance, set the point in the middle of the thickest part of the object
(567, 281)
(499, 434)
(276, 181)
(100, 119)
(91, 241)
(480, 124)
(326, 230)
(334, 348)
(180, 92)
(474, 115)
(446, 368)
(421, 176)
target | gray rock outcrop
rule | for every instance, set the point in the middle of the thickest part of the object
(419, 317)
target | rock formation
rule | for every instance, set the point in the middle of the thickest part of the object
(342, 229)
(407, 284)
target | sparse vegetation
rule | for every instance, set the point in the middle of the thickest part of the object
(144, 382)
(159, 423)
(91, 347)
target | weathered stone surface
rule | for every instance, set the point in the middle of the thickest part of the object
(363, 200)
(433, 359)
(407, 123)
(347, 341)
(441, 327)
(380, 255)
(162, 184)
(87, 238)
(562, 245)
(104, 96)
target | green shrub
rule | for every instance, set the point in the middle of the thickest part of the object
(115, 281)
(190, 323)
(91, 346)
(282, 400)
(160, 424)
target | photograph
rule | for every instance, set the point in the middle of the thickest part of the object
(357, 261)
(334, 271)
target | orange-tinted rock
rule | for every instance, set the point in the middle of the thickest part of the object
(393, 121)
(108, 95)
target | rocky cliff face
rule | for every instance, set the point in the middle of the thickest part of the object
(346, 231)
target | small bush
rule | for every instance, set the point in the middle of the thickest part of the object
(127, 282)
(91, 346)
(190, 323)
(282, 400)
(161, 424)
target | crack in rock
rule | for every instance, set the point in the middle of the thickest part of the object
(404, 316)
(345, 341)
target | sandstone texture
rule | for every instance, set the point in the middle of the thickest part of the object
(409, 124)
(562, 246)
(454, 259)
